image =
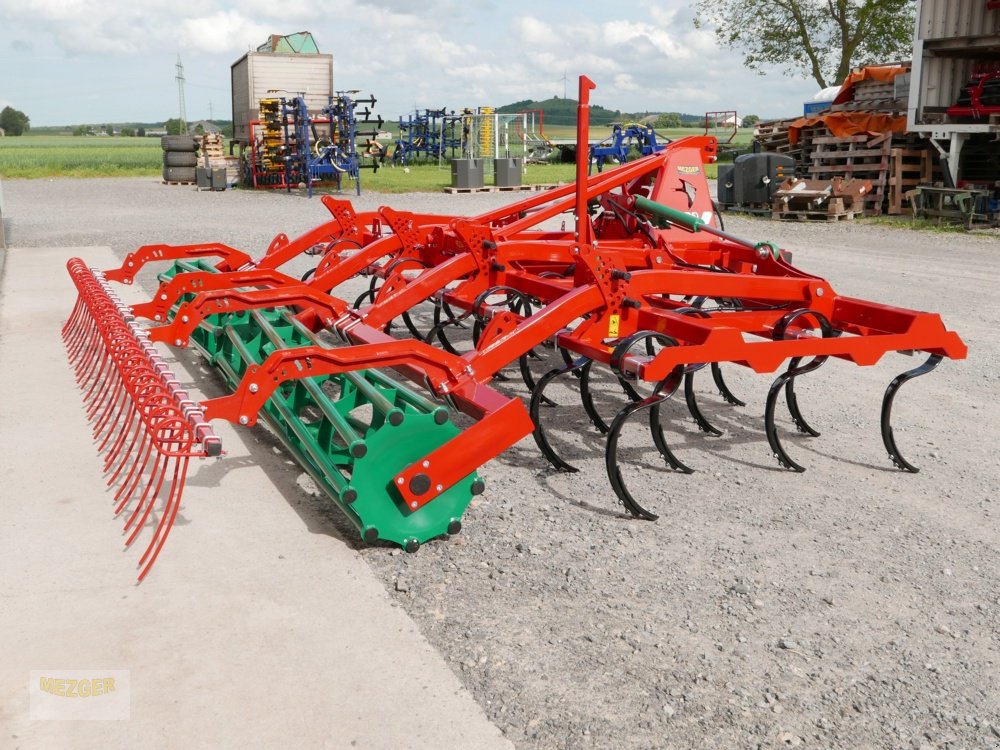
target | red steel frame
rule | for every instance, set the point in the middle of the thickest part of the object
(619, 274)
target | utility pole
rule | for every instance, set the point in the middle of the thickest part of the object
(210, 115)
(180, 94)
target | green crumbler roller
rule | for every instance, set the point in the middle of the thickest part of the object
(353, 432)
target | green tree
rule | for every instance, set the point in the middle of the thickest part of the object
(823, 39)
(109, 129)
(667, 120)
(14, 121)
(750, 120)
(127, 132)
(141, 132)
(80, 130)
(173, 126)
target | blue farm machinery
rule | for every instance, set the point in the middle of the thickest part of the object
(623, 141)
(292, 147)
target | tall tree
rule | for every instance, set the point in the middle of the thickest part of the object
(823, 39)
(14, 121)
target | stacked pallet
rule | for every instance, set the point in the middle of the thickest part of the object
(909, 167)
(877, 96)
(214, 157)
(855, 157)
(773, 136)
(212, 146)
(893, 162)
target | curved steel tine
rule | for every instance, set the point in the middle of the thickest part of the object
(411, 326)
(369, 294)
(692, 402)
(772, 400)
(660, 437)
(689, 395)
(586, 396)
(792, 401)
(662, 392)
(446, 309)
(724, 391)
(529, 378)
(536, 399)
(890, 394)
(567, 358)
(521, 306)
(439, 326)
(588, 399)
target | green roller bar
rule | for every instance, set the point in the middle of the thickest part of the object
(351, 432)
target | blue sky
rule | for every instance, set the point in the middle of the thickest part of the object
(80, 61)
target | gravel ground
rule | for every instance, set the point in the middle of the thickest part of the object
(850, 606)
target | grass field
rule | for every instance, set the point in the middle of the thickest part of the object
(79, 156)
(34, 157)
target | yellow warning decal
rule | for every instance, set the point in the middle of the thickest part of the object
(613, 322)
(688, 170)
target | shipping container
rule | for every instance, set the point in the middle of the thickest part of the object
(953, 40)
(261, 75)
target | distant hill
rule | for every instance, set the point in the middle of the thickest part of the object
(563, 112)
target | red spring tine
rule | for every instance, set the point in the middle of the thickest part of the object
(103, 362)
(103, 401)
(168, 516)
(140, 402)
(132, 426)
(172, 426)
(69, 328)
(179, 434)
(131, 419)
(155, 480)
(91, 351)
(155, 417)
(81, 343)
(131, 482)
(112, 418)
(75, 328)
(136, 408)
(134, 370)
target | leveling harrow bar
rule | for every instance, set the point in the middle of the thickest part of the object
(644, 285)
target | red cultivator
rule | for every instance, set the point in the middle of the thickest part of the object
(645, 285)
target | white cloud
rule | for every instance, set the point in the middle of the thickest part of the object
(450, 53)
(222, 31)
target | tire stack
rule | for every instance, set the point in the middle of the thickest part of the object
(180, 158)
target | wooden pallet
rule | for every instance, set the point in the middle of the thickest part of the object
(908, 168)
(773, 136)
(212, 146)
(177, 182)
(799, 207)
(860, 156)
(873, 96)
(814, 216)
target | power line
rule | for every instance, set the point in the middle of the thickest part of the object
(180, 94)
